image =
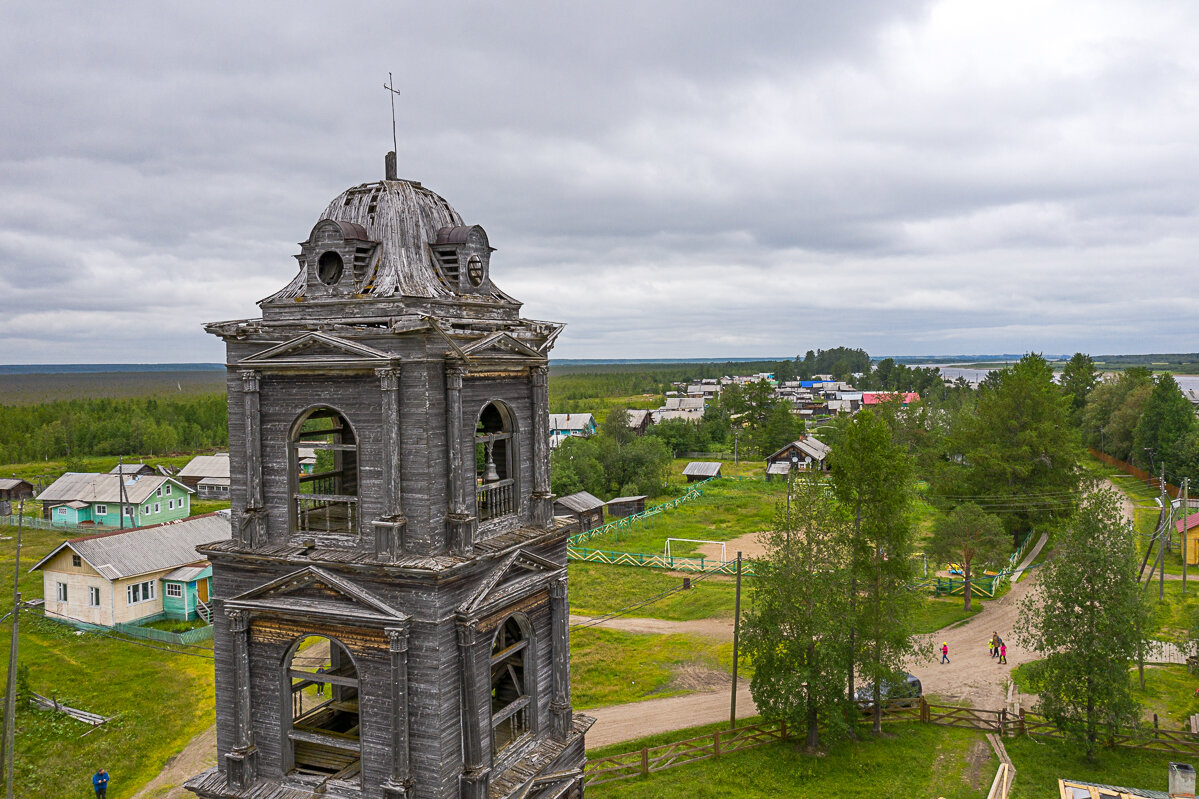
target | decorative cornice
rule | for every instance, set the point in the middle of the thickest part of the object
(249, 381)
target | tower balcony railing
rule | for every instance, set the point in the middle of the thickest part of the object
(496, 499)
(326, 513)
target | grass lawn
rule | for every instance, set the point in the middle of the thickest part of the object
(1040, 762)
(609, 667)
(202, 506)
(111, 676)
(596, 589)
(176, 625)
(933, 613)
(728, 509)
(1174, 616)
(909, 760)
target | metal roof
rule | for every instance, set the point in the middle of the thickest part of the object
(627, 499)
(809, 445)
(143, 550)
(214, 481)
(192, 571)
(130, 468)
(85, 487)
(7, 483)
(206, 466)
(580, 502)
(702, 469)
(571, 421)
(779, 467)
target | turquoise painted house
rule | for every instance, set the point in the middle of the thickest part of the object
(186, 592)
(113, 500)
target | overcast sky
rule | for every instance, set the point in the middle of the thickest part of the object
(679, 179)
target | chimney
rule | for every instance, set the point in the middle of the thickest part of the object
(1182, 781)
(391, 165)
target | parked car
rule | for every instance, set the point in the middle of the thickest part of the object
(905, 694)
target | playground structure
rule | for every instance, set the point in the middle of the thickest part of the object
(723, 547)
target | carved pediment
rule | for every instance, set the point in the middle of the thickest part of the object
(517, 574)
(499, 345)
(315, 592)
(317, 349)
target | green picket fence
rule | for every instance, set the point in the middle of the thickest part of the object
(674, 562)
(694, 491)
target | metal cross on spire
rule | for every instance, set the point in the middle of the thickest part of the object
(390, 86)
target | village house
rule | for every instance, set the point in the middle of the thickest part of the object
(1191, 523)
(639, 421)
(805, 453)
(585, 510)
(134, 575)
(689, 408)
(568, 425)
(108, 500)
(207, 475)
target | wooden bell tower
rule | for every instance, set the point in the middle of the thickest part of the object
(391, 612)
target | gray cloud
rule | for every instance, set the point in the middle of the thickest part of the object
(671, 179)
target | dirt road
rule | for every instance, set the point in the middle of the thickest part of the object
(721, 629)
(198, 755)
(617, 723)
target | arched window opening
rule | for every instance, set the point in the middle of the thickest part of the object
(324, 473)
(495, 483)
(511, 703)
(323, 733)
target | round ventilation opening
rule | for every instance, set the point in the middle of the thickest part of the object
(329, 268)
(474, 271)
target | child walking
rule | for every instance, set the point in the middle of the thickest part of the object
(1003, 653)
(944, 651)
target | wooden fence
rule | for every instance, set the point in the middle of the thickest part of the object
(648, 760)
(1155, 482)
(700, 565)
(694, 491)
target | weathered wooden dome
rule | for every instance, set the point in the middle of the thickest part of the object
(405, 241)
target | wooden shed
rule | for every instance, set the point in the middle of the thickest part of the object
(701, 470)
(626, 506)
(586, 509)
(14, 489)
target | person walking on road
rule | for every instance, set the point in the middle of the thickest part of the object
(100, 783)
(995, 644)
(1003, 653)
(944, 651)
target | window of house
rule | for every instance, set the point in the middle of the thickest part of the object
(325, 499)
(93, 597)
(158, 507)
(158, 493)
(495, 478)
(60, 590)
(175, 590)
(170, 504)
(146, 509)
(140, 592)
(167, 489)
(511, 684)
(101, 510)
(76, 561)
(324, 709)
(129, 510)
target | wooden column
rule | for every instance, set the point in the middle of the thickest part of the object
(543, 500)
(240, 763)
(389, 530)
(560, 714)
(461, 514)
(251, 532)
(476, 716)
(397, 786)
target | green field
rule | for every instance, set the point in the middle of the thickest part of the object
(609, 667)
(30, 389)
(908, 760)
(110, 675)
(596, 589)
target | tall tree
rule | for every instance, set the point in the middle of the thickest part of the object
(1080, 620)
(795, 634)
(1078, 378)
(1017, 454)
(970, 536)
(1165, 430)
(872, 478)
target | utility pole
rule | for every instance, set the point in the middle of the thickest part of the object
(736, 441)
(10, 691)
(1161, 555)
(1186, 485)
(121, 488)
(736, 643)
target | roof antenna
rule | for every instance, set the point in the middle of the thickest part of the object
(391, 157)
